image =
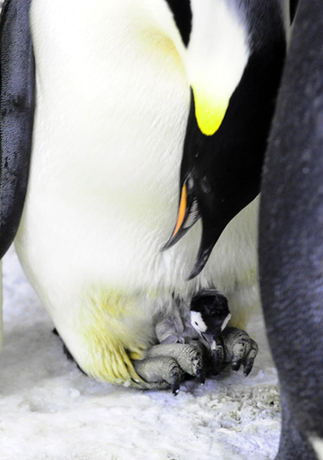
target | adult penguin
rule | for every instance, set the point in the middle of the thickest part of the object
(291, 239)
(112, 88)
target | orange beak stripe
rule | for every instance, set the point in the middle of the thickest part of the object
(181, 211)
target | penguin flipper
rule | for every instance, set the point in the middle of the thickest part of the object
(17, 104)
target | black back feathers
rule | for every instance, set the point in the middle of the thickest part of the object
(181, 10)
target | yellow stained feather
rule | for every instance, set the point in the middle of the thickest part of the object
(115, 333)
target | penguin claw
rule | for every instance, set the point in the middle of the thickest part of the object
(176, 384)
(248, 367)
(200, 375)
(250, 358)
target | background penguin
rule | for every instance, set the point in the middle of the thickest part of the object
(17, 112)
(291, 239)
(293, 8)
(112, 100)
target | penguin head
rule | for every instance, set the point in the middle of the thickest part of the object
(210, 314)
(234, 53)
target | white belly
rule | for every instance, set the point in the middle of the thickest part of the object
(112, 105)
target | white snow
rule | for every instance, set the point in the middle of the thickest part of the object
(50, 410)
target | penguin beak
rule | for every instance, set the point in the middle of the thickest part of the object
(208, 340)
(188, 213)
(193, 203)
(191, 207)
(210, 235)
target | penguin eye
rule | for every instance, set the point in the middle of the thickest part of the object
(205, 185)
(190, 183)
(196, 323)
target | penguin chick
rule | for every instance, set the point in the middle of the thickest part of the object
(210, 315)
(204, 317)
(176, 326)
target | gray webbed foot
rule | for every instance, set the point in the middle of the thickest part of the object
(237, 348)
(160, 372)
(188, 355)
(168, 363)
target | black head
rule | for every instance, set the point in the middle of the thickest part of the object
(182, 14)
(220, 173)
(209, 312)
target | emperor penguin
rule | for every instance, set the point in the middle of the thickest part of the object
(291, 238)
(102, 101)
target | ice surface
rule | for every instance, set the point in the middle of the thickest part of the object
(49, 410)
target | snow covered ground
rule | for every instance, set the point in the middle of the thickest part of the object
(49, 410)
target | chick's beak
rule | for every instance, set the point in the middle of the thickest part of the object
(208, 340)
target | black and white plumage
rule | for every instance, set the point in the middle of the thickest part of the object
(199, 340)
(224, 345)
(210, 314)
(112, 88)
(206, 316)
(214, 167)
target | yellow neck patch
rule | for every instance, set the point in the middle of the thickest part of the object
(209, 115)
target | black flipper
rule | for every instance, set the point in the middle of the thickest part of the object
(17, 104)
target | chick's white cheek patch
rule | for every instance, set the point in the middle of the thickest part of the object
(197, 322)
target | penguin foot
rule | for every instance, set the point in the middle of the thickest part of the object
(168, 364)
(189, 356)
(235, 347)
(160, 372)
